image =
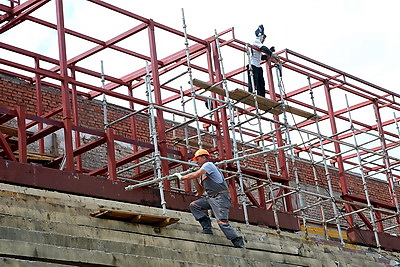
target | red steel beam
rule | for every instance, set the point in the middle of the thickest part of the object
(343, 73)
(75, 112)
(217, 117)
(278, 134)
(6, 148)
(22, 148)
(39, 103)
(108, 43)
(134, 156)
(20, 12)
(342, 177)
(67, 116)
(226, 149)
(386, 162)
(145, 20)
(88, 38)
(112, 166)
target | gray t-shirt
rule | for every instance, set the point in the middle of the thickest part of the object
(213, 172)
(213, 182)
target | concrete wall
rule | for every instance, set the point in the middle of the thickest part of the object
(47, 228)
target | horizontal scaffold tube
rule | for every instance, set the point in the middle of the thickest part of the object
(157, 180)
(174, 176)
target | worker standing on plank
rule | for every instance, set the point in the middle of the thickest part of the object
(258, 52)
(218, 198)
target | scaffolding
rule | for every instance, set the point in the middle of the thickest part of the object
(323, 147)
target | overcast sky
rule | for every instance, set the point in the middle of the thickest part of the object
(361, 37)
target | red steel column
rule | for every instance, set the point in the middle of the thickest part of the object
(218, 134)
(39, 104)
(162, 139)
(227, 144)
(112, 165)
(22, 149)
(386, 162)
(132, 121)
(77, 135)
(67, 118)
(278, 135)
(339, 159)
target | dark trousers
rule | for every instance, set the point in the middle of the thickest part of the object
(259, 81)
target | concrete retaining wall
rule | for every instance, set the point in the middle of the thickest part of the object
(46, 228)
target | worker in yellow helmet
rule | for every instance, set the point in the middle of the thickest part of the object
(218, 197)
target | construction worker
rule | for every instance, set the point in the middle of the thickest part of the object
(258, 52)
(218, 197)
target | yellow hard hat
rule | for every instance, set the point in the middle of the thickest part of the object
(201, 152)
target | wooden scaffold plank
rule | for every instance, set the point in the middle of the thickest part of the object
(265, 104)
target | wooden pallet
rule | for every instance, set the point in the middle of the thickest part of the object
(134, 217)
(263, 103)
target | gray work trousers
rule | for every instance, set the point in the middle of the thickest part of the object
(220, 207)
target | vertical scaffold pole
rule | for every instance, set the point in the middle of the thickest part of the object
(338, 157)
(283, 169)
(397, 124)
(187, 184)
(292, 158)
(262, 138)
(193, 93)
(370, 207)
(327, 174)
(275, 146)
(77, 135)
(232, 129)
(104, 102)
(183, 103)
(153, 136)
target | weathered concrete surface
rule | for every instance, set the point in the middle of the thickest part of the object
(40, 228)
(10, 262)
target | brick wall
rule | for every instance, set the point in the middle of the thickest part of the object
(15, 92)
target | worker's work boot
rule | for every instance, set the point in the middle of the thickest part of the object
(206, 224)
(238, 242)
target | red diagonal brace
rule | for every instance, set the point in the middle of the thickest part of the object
(6, 148)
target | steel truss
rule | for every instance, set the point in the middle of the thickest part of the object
(324, 171)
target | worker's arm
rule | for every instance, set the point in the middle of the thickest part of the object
(199, 188)
(194, 176)
(266, 50)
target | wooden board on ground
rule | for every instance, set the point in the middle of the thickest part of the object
(263, 103)
(135, 217)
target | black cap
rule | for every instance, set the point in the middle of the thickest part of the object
(260, 30)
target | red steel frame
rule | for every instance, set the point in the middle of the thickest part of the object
(64, 77)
